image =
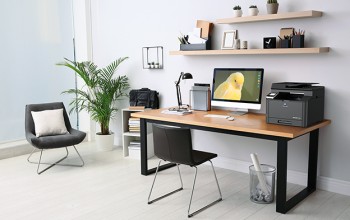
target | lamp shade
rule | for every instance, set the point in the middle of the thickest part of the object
(187, 76)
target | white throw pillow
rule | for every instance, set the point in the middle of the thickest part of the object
(49, 122)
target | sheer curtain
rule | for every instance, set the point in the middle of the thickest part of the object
(35, 35)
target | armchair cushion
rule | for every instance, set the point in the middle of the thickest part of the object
(49, 122)
(56, 141)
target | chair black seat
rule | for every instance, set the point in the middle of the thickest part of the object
(200, 157)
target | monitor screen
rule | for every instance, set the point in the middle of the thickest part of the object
(237, 87)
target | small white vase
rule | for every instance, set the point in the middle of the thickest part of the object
(105, 142)
(253, 11)
(237, 13)
(236, 44)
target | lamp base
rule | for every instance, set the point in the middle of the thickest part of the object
(181, 109)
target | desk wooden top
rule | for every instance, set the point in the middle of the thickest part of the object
(251, 122)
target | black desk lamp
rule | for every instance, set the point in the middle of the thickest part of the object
(179, 100)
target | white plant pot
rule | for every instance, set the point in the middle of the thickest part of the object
(253, 11)
(237, 13)
(105, 142)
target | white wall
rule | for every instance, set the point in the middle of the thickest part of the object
(122, 29)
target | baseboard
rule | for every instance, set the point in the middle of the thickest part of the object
(333, 185)
(14, 149)
(323, 183)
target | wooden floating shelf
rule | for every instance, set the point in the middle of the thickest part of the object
(269, 17)
(316, 50)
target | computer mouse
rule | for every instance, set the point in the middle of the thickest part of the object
(231, 118)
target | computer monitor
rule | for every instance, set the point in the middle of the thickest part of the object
(237, 88)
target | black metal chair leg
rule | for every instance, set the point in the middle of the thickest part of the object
(168, 194)
(210, 204)
(55, 163)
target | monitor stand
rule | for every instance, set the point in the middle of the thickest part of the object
(239, 111)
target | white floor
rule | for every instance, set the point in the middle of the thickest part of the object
(111, 187)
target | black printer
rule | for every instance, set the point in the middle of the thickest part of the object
(295, 104)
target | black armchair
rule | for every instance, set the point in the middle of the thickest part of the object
(71, 138)
(175, 145)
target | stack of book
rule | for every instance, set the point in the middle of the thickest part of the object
(134, 124)
(134, 149)
(135, 145)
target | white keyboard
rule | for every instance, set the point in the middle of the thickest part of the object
(216, 116)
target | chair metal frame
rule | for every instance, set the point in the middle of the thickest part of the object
(55, 163)
(181, 188)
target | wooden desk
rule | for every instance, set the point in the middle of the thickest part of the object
(249, 125)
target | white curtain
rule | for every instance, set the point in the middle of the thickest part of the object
(35, 35)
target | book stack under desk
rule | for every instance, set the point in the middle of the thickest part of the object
(134, 149)
(134, 124)
(135, 145)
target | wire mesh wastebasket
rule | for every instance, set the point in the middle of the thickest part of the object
(262, 184)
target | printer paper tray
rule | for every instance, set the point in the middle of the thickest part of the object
(282, 121)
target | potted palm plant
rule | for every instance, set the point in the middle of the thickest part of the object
(99, 95)
(272, 6)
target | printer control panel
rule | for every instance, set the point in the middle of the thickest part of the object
(271, 95)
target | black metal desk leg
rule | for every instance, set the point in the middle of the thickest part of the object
(144, 162)
(313, 154)
(282, 157)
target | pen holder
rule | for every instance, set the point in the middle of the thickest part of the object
(263, 193)
(285, 43)
(298, 41)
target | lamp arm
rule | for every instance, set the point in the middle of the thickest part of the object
(178, 81)
(178, 92)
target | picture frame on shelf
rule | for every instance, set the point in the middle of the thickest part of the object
(228, 39)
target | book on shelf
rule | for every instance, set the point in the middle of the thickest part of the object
(135, 147)
(134, 126)
(134, 121)
(136, 107)
(135, 142)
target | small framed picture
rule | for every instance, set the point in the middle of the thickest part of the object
(228, 39)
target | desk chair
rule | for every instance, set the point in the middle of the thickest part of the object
(175, 145)
(72, 138)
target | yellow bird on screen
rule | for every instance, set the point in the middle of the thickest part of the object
(232, 88)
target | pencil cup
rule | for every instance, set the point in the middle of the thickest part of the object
(285, 43)
(262, 184)
(298, 41)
